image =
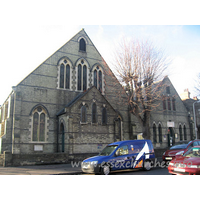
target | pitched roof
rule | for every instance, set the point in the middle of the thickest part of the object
(77, 98)
(71, 103)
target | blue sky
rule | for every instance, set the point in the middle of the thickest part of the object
(181, 44)
(31, 32)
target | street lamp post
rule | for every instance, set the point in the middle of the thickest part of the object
(195, 126)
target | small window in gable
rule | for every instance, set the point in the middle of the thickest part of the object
(94, 113)
(168, 90)
(82, 45)
(83, 114)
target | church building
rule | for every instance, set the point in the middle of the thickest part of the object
(72, 104)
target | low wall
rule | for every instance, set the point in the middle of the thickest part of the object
(39, 159)
(8, 159)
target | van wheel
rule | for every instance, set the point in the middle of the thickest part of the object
(105, 170)
(147, 165)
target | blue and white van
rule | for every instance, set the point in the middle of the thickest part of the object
(120, 156)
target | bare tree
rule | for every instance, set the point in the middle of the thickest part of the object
(138, 66)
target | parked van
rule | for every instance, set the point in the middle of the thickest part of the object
(120, 156)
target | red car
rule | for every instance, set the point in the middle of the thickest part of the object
(178, 150)
(186, 164)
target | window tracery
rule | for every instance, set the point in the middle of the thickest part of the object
(82, 75)
(98, 78)
(65, 73)
(39, 124)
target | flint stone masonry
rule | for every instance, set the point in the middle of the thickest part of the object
(42, 159)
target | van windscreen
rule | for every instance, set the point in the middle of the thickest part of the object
(108, 150)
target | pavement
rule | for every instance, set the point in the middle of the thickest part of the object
(56, 169)
(51, 169)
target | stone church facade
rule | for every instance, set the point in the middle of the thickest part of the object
(73, 104)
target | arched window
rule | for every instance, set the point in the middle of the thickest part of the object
(180, 132)
(95, 78)
(174, 104)
(67, 81)
(64, 76)
(39, 124)
(104, 116)
(169, 103)
(164, 103)
(82, 76)
(98, 78)
(168, 90)
(94, 113)
(100, 81)
(154, 134)
(79, 77)
(62, 71)
(185, 132)
(83, 114)
(82, 45)
(160, 133)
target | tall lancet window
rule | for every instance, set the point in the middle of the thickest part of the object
(98, 78)
(83, 114)
(79, 77)
(94, 113)
(82, 75)
(39, 117)
(104, 116)
(65, 74)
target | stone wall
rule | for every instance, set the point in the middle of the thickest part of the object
(7, 159)
(89, 137)
(41, 88)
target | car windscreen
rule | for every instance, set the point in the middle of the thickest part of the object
(194, 152)
(181, 146)
(108, 150)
